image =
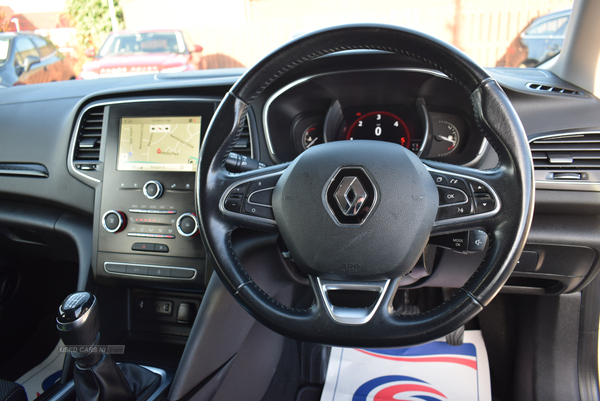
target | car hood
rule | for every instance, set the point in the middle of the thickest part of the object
(135, 64)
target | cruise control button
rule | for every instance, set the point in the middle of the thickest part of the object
(268, 182)
(138, 246)
(233, 203)
(139, 270)
(258, 211)
(450, 212)
(484, 204)
(449, 196)
(439, 179)
(261, 197)
(240, 189)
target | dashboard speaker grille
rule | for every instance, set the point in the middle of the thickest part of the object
(243, 146)
(572, 152)
(89, 135)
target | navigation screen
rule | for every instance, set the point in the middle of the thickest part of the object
(159, 144)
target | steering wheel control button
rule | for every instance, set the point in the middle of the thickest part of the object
(261, 197)
(477, 241)
(479, 189)
(153, 189)
(263, 183)
(240, 189)
(439, 179)
(351, 196)
(187, 225)
(457, 182)
(455, 241)
(484, 204)
(137, 270)
(449, 196)
(464, 242)
(233, 203)
(453, 211)
(142, 247)
(114, 221)
(258, 211)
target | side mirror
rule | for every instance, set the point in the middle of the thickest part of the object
(29, 61)
(197, 49)
(90, 52)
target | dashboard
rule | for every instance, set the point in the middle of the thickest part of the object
(90, 174)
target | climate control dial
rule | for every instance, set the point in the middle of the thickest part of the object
(114, 221)
(187, 225)
(153, 189)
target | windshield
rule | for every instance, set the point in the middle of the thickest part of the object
(4, 45)
(118, 37)
(146, 42)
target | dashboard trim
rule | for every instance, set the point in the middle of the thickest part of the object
(300, 81)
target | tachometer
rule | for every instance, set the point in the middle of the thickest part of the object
(382, 126)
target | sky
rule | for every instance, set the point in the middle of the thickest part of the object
(34, 6)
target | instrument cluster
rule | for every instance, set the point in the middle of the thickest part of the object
(425, 113)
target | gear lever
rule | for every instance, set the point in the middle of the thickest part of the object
(97, 377)
(79, 327)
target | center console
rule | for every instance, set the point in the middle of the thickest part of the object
(146, 229)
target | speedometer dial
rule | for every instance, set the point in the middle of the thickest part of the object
(382, 126)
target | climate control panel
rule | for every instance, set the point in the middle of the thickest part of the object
(148, 218)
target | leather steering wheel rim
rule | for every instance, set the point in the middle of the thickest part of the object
(512, 180)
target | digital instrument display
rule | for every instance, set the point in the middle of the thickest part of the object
(159, 144)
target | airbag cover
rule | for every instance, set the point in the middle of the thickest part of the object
(356, 210)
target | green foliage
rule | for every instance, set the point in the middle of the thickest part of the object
(92, 20)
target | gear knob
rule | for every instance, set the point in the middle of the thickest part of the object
(77, 321)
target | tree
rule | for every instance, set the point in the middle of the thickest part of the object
(92, 20)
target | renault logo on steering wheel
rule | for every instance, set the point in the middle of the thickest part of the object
(350, 196)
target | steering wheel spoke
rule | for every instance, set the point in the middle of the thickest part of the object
(246, 201)
(366, 298)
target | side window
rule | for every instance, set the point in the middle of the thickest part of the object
(44, 46)
(25, 48)
(550, 27)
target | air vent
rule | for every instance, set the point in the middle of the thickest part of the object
(569, 152)
(244, 144)
(553, 89)
(87, 147)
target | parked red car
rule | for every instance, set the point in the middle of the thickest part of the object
(143, 52)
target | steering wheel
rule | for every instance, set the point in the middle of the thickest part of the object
(357, 215)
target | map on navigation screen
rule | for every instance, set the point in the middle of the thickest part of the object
(161, 144)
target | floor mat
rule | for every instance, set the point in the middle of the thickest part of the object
(40, 378)
(432, 372)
